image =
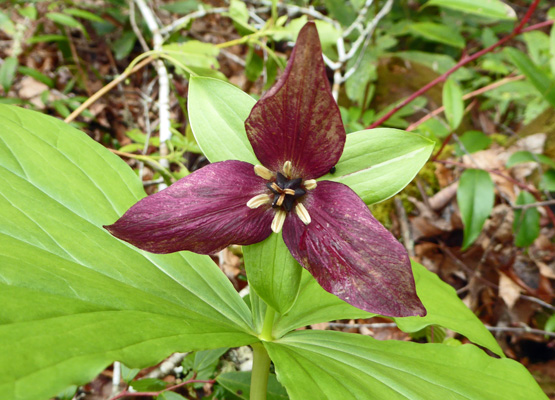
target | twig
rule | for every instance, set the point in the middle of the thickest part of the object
(404, 225)
(163, 83)
(146, 110)
(126, 393)
(467, 96)
(185, 20)
(167, 366)
(465, 60)
(530, 205)
(378, 325)
(357, 46)
(153, 182)
(75, 56)
(366, 34)
(523, 329)
(87, 103)
(293, 9)
(358, 21)
(234, 58)
(537, 301)
(135, 28)
(116, 377)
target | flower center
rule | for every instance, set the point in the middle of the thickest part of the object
(285, 194)
(285, 191)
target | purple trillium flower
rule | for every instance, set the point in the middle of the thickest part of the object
(296, 133)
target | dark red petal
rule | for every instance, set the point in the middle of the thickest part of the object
(203, 212)
(298, 120)
(351, 254)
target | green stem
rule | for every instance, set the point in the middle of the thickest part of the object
(268, 326)
(260, 372)
(261, 359)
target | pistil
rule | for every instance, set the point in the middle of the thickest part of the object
(285, 194)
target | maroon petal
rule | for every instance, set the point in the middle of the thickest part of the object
(203, 212)
(298, 120)
(351, 255)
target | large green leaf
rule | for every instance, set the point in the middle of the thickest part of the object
(526, 223)
(445, 309)
(7, 72)
(195, 56)
(541, 80)
(453, 103)
(74, 298)
(475, 196)
(217, 111)
(336, 365)
(273, 273)
(437, 33)
(378, 163)
(522, 156)
(495, 9)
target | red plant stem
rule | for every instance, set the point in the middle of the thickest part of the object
(523, 186)
(125, 393)
(462, 62)
(447, 139)
(467, 96)
(539, 25)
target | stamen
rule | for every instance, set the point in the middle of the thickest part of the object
(310, 184)
(289, 191)
(279, 219)
(303, 213)
(259, 200)
(287, 167)
(280, 199)
(275, 188)
(263, 172)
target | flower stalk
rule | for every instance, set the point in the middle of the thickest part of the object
(261, 359)
(260, 372)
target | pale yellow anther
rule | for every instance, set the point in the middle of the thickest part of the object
(259, 200)
(310, 184)
(289, 191)
(263, 172)
(303, 213)
(280, 199)
(279, 219)
(287, 168)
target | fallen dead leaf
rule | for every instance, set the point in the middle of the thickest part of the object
(508, 290)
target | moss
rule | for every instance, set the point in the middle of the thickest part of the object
(499, 138)
(383, 211)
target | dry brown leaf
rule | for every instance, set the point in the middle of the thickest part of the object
(508, 290)
(31, 89)
(322, 326)
(443, 197)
